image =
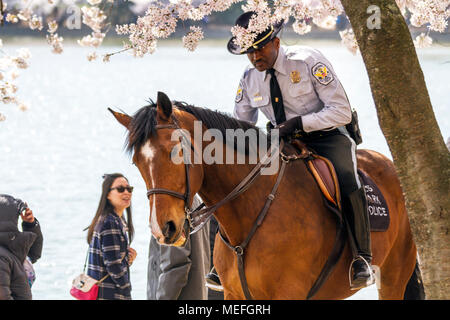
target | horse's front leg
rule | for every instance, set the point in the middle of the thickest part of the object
(228, 295)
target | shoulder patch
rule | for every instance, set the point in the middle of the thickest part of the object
(239, 94)
(321, 73)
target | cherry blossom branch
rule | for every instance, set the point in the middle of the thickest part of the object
(108, 55)
(161, 18)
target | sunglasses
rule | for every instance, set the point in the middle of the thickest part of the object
(121, 189)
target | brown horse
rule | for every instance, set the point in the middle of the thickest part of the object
(287, 252)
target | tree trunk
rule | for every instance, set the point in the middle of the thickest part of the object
(407, 120)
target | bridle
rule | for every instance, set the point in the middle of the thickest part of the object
(187, 194)
(200, 216)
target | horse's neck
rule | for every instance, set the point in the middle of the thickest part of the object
(237, 216)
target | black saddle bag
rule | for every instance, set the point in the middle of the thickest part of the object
(353, 128)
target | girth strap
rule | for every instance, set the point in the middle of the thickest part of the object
(335, 254)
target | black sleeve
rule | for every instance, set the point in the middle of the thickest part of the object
(36, 249)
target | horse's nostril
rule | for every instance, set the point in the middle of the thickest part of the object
(169, 229)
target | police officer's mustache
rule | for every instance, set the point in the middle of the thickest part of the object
(258, 61)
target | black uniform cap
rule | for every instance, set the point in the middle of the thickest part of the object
(261, 40)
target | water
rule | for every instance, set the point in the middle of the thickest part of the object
(54, 155)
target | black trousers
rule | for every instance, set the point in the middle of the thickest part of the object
(340, 149)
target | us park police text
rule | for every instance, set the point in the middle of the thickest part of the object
(231, 309)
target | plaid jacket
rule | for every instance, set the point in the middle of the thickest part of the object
(108, 254)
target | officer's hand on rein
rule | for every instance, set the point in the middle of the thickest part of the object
(288, 127)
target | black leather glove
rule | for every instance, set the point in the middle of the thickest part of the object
(288, 127)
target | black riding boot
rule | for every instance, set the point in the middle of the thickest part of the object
(213, 281)
(358, 219)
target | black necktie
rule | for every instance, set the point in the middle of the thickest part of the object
(276, 97)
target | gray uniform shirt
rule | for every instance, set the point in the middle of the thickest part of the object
(309, 87)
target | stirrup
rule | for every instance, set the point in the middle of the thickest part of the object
(214, 287)
(371, 280)
(211, 283)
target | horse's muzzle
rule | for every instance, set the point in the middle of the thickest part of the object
(172, 238)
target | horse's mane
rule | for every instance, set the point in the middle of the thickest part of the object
(143, 122)
(215, 119)
(141, 127)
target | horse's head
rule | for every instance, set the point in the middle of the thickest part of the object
(171, 186)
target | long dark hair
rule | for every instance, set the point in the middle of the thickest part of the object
(105, 206)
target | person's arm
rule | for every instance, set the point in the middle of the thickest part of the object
(336, 111)
(5, 279)
(116, 267)
(242, 107)
(175, 265)
(31, 224)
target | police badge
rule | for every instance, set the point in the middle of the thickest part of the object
(321, 73)
(295, 76)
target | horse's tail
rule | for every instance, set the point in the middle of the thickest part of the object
(414, 288)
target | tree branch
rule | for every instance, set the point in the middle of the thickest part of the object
(1, 12)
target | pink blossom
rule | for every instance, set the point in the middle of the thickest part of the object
(191, 39)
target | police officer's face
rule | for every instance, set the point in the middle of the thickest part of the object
(264, 58)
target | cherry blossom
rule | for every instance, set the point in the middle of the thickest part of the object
(52, 26)
(92, 56)
(93, 17)
(349, 40)
(56, 42)
(191, 39)
(301, 27)
(423, 41)
(9, 66)
(36, 23)
(93, 40)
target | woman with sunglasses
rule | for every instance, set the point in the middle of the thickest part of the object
(109, 250)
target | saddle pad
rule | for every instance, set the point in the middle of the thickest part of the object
(376, 204)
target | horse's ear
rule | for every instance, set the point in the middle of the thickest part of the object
(124, 119)
(163, 106)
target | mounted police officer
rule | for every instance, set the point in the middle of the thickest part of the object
(297, 89)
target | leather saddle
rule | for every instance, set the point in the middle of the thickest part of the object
(323, 172)
(326, 178)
